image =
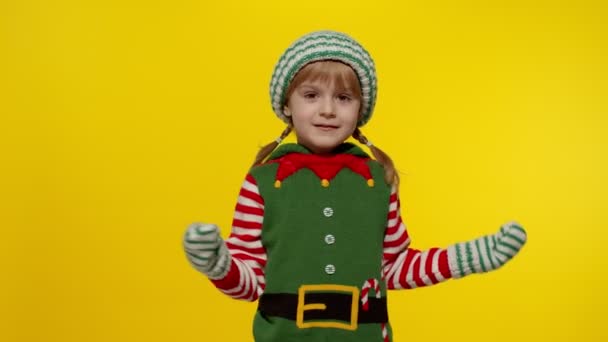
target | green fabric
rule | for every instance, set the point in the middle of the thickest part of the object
(294, 231)
(277, 329)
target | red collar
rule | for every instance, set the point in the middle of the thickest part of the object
(325, 167)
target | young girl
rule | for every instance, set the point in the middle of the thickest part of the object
(317, 237)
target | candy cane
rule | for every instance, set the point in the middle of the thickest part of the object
(372, 283)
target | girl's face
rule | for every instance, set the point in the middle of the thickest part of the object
(324, 114)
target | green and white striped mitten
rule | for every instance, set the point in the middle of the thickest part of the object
(486, 253)
(206, 250)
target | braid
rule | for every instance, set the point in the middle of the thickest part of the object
(390, 175)
(267, 149)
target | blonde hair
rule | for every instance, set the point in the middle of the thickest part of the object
(344, 78)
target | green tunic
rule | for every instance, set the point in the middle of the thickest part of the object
(320, 235)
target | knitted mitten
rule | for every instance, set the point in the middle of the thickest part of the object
(206, 250)
(486, 253)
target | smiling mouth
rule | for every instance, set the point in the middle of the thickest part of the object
(326, 127)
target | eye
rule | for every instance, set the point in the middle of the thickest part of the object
(310, 95)
(344, 98)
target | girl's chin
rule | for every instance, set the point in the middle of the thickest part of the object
(324, 148)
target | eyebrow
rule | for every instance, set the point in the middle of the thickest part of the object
(314, 87)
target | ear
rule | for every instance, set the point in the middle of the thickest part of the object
(286, 111)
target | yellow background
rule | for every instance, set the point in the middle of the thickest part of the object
(122, 122)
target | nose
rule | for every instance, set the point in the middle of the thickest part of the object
(327, 108)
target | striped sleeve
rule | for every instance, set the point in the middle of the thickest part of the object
(245, 279)
(404, 267)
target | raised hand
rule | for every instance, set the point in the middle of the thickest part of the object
(488, 252)
(206, 250)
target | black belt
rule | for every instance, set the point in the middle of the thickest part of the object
(338, 306)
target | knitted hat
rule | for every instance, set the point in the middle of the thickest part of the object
(322, 46)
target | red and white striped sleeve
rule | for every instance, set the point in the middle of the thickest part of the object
(404, 267)
(245, 279)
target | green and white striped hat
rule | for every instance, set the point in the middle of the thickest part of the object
(320, 46)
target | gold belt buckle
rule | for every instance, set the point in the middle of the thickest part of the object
(354, 310)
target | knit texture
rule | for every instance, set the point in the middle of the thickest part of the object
(307, 235)
(320, 46)
(486, 253)
(206, 250)
(321, 235)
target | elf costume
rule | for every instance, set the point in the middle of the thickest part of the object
(319, 240)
